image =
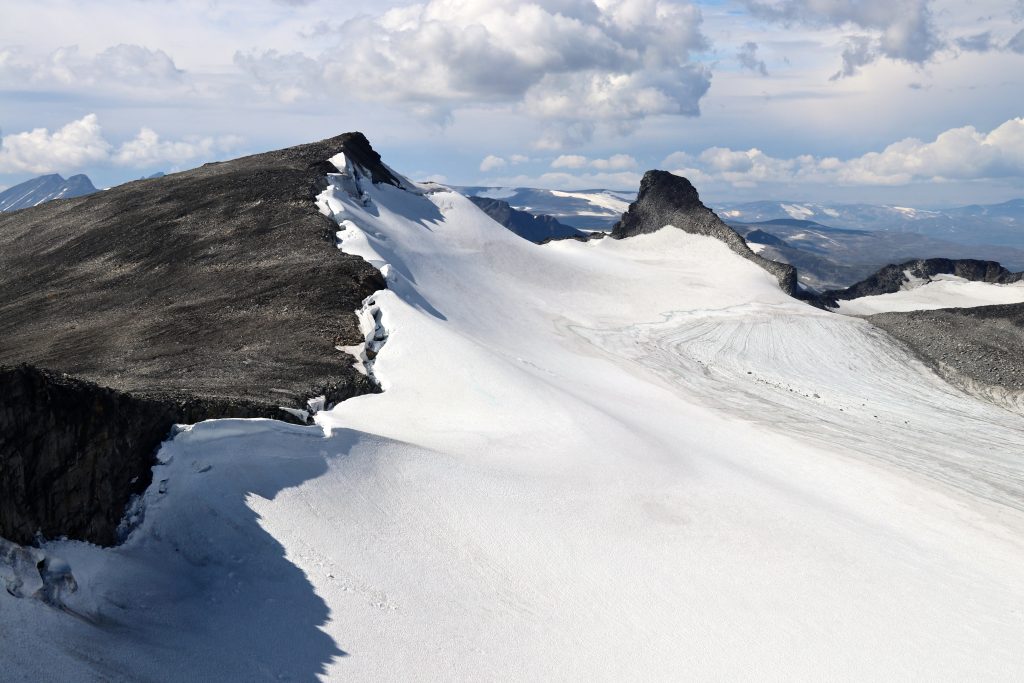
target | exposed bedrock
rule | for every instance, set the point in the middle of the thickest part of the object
(217, 292)
(893, 277)
(666, 199)
(73, 452)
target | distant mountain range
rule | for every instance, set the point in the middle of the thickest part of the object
(993, 224)
(830, 258)
(832, 245)
(43, 189)
(585, 209)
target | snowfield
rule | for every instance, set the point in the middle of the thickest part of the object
(942, 291)
(610, 460)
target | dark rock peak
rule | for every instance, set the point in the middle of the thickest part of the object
(359, 151)
(666, 199)
(893, 277)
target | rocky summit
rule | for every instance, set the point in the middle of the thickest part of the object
(217, 292)
(666, 199)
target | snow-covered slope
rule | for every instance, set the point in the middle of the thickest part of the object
(943, 291)
(587, 209)
(619, 459)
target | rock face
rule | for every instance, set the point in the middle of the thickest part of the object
(216, 292)
(536, 228)
(72, 453)
(44, 189)
(893, 277)
(667, 199)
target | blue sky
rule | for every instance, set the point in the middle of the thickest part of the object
(914, 102)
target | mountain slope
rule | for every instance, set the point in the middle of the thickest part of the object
(619, 458)
(528, 226)
(44, 189)
(216, 282)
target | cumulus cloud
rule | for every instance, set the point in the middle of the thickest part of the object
(903, 30)
(492, 162)
(124, 66)
(569, 161)
(747, 57)
(616, 162)
(81, 143)
(75, 145)
(954, 155)
(565, 62)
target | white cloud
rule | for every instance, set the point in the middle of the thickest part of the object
(81, 143)
(75, 145)
(118, 67)
(624, 180)
(569, 161)
(492, 162)
(956, 154)
(565, 62)
(616, 162)
(147, 149)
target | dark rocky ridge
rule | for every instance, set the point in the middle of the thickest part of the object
(220, 282)
(216, 292)
(72, 453)
(667, 199)
(980, 349)
(535, 228)
(892, 277)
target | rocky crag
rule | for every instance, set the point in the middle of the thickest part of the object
(216, 292)
(670, 200)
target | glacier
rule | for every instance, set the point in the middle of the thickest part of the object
(602, 460)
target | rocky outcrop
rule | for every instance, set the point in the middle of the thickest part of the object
(217, 292)
(670, 200)
(72, 453)
(980, 349)
(535, 228)
(894, 277)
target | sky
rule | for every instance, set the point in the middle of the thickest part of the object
(909, 102)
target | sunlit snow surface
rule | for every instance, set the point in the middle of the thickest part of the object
(942, 292)
(613, 460)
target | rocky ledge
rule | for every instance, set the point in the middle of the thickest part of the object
(666, 199)
(217, 292)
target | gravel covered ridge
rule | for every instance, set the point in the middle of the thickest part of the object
(980, 349)
(220, 282)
